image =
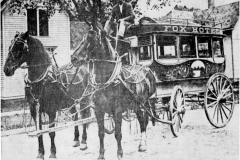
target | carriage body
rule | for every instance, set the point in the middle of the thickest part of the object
(185, 57)
(178, 52)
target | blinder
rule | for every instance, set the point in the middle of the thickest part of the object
(17, 57)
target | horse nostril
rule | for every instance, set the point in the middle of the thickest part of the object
(73, 59)
(5, 70)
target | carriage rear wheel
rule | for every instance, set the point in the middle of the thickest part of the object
(109, 125)
(177, 110)
(219, 100)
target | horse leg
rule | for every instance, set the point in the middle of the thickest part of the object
(40, 138)
(52, 135)
(76, 141)
(143, 121)
(118, 133)
(83, 145)
(101, 132)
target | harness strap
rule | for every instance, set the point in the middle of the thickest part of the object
(74, 76)
(116, 71)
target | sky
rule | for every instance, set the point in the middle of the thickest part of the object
(201, 4)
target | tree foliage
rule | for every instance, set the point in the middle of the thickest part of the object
(90, 11)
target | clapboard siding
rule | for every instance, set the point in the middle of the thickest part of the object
(12, 86)
(59, 35)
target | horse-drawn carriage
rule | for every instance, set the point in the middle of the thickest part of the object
(167, 64)
(188, 62)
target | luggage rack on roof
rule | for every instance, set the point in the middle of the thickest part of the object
(190, 22)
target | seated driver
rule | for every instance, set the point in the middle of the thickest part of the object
(122, 13)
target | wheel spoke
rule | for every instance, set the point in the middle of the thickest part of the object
(220, 112)
(224, 84)
(220, 84)
(217, 91)
(211, 103)
(223, 111)
(226, 107)
(217, 113)
(180, 118)
(229, 102)
(226, 90)
(179, 121)
(212, 92)
(214, 111)
(175, 104)
(225, 97)
(212, 98)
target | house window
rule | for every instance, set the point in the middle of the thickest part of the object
(37, 22)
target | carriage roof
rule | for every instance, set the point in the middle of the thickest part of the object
(175, 26)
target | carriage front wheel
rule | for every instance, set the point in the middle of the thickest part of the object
(219, 100)
(177, 110)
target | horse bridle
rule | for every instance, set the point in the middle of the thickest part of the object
(25, 47)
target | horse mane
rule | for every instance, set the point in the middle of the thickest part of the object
(107, 51)
(38, 51)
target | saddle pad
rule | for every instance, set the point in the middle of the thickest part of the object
(134, 74)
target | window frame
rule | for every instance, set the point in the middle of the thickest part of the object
(209, 47)
(38, 23)
(193, 49)
(176, 46)
(221, 47)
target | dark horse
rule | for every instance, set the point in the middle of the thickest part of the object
(116, 89)
(45, 86)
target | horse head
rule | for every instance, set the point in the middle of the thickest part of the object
(18, 51)
(87, 48)
(93, 46)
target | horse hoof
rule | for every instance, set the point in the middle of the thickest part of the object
(40, 156)
(76, 143)
(119, 154)
(52, 156)
(83, 146)
(142, 148)
(101, 158)
(119, 157)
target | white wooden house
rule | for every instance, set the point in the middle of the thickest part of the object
(54, 33)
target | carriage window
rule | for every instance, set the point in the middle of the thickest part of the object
(204, 47)
(145, 52)
(166, 47)
(187, 47)
(217, 45)
(37, 22)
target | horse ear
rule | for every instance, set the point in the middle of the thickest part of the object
(17, 33)
(25, 35)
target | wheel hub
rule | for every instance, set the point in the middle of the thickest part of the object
(181, 109)
(220, 99)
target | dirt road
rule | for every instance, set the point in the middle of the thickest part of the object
(199, 141)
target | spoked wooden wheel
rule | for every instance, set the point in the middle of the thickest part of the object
(177, 110)
(219, 100)
(109, 125)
